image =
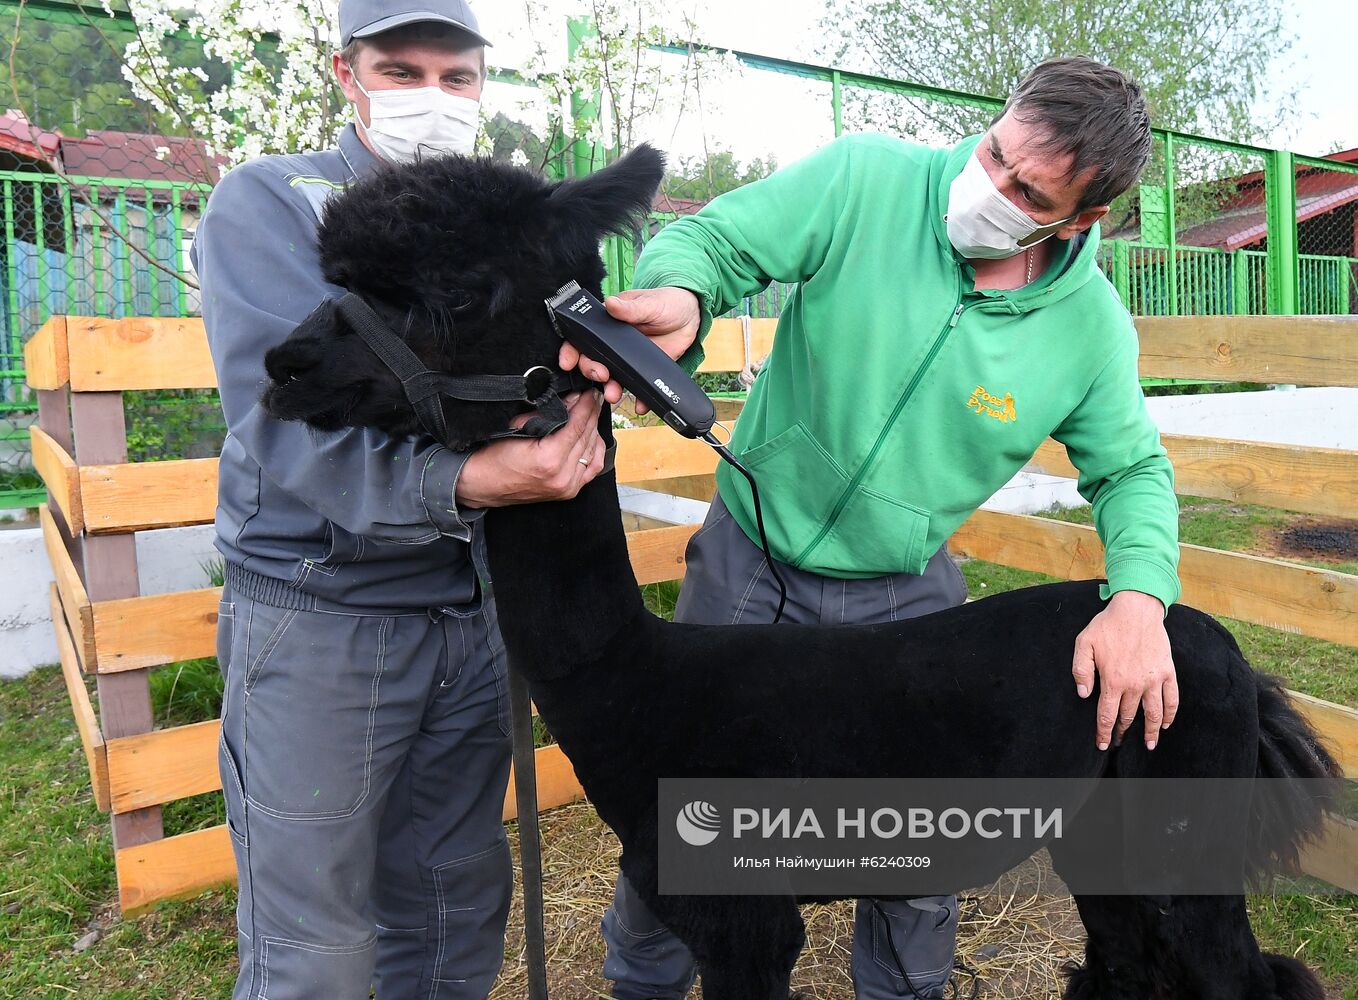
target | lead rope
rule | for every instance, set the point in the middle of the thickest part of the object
(530, 841)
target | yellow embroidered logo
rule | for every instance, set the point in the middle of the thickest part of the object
(1001, 408)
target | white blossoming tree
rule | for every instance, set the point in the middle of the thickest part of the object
(262, 81)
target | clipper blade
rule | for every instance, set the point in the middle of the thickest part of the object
(563, 293)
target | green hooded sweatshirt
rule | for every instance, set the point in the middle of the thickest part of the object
(897, 398)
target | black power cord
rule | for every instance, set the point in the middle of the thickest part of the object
(725, 453)
(900, 966)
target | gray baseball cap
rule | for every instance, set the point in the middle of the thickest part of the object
(365, 18)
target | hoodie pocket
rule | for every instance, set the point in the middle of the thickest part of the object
(874, 533)
(793, 468)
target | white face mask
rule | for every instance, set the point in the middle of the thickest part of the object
(407, 123)
(985, 225)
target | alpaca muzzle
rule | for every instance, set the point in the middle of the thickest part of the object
(539, 387)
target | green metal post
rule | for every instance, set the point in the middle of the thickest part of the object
(1171, 252)
(1345, 285)
(584, 107)
(99, 256)
(1122, 271)
(153, 251)
(13, 346)
(68, 229)
(129, 293)
(837, 101)
(40, 241)
(177, 251)
(1281, 201)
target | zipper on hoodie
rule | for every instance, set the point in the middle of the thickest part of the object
(886, 428)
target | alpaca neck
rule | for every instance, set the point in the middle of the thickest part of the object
(563, 582)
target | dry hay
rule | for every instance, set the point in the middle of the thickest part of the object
(1015, 935)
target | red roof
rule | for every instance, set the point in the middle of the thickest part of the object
(142, 157)
(110, 153)
(1242, 220)
(679, 206)
(18, 136)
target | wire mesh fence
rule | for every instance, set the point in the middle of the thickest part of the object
(102, 190)
(1327, 237)
(101, 193)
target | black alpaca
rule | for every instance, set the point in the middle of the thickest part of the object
(456, 256)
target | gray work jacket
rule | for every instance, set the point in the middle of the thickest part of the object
(354, 520)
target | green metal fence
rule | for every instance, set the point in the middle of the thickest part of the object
(94, 246)
(1215, 228)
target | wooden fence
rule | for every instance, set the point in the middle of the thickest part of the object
(80, 367)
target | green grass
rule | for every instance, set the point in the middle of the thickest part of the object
(1318, 930)
(659, 598)
(57, 880)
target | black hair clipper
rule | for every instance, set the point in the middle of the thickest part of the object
(633, 359)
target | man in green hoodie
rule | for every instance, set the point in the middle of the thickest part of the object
(950, 316)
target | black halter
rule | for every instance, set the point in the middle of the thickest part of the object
(539, 387)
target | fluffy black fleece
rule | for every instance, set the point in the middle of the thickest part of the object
(457, 255)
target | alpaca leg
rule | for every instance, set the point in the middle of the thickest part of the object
(1291, 980)
(1180, 947)
(745, 946)
(1118, 950)
(1209, 952)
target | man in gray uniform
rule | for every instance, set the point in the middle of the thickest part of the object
(365, 747)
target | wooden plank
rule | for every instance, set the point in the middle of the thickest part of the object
(170, 764)
(702, 488)
(134, 497)
(173, 868)
(113, 354)
(139, 632)
(86, 723)
(46, 356)
(646, 453)
(1334, 858)
(557, 784)
(172, 353)
(1320, 481)
(1297, 350)
(1315, 602)
(724, 348)
(59, 474)
(193, 862)
(658, 554)
(1337, 725)
(71, 591)
(154, 768)
(138, 496)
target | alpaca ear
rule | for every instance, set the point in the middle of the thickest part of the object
(610, 201)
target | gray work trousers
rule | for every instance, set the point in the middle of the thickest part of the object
(364, 760)
(727, 582)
